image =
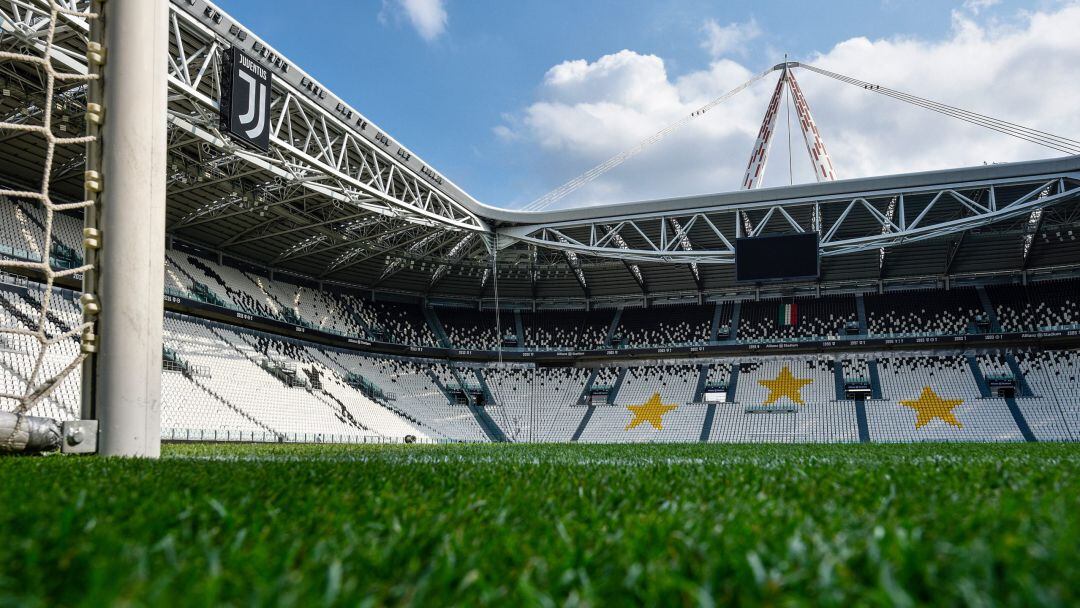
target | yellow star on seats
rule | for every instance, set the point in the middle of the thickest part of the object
(929, 406)
(652, 411)
(785, 385)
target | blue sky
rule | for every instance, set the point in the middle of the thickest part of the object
(473, 86)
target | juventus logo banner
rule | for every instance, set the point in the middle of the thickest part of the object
(245, 99)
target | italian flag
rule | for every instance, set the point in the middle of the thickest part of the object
(789, 314)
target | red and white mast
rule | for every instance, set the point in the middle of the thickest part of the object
(815, 147)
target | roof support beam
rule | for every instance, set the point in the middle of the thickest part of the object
(683, 239)
(237, 240)
(417, 250)
(457, 253)
(534, 272)
(340, 245)
(375, 253)
(638, 276)
(1031, 230)
(578, 273)
(887, 225)
(634, 269)
(308, 138)
(956, 211)
(954, 249)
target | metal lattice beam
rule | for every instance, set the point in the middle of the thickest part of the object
(851, 223)
(308, 142)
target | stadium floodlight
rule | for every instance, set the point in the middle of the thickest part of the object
(124, 85)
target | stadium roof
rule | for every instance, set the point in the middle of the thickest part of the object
(338, 199)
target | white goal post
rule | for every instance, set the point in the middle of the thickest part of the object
(131, 262)
(120, 91)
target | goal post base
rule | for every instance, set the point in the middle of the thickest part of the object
(80, 437)
(21, 434)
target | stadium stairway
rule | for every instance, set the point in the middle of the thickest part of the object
(1018, 417)
(183, 271)
(733, 382)
(489, 397)
(703, 377)
(353, 315)
(438, 384)
(343, 413)
(269, 295)
(736, 311)
(583, 399)
(519, 328)
(618, 384)
(486, 423)
(988, 308)
(976, 373)
(418, 423)
(706, 426)
(32, 217)
(1021, 379)
(614, 325)
(15, 312)
(232, 407)
(699, 392)
(584, 422)
(875, 379)
(436, 326)
(490, 428)
(341, 371)
(1014, 408)
(860, 311)
(861, 422)
(234, 295)
(36, 304)
(715, 329)
(458, 377)
(332, 406)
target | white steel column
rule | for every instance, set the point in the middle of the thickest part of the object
(755, 169)
(131, 260)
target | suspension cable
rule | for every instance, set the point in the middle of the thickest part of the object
(548, 199)
(1035, 136)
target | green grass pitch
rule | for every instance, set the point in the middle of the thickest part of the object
(690, 525)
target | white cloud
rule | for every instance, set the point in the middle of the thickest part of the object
(505, 133)
(976, 6)
(588, 111)
(428, 17)
(732, 38)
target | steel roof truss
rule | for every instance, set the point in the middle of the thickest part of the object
(683, 240)
(894, 227)
(716, 231)
(840, 220)
(791, 220)
(324, 142)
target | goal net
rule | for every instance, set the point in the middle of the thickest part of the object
(49, 115)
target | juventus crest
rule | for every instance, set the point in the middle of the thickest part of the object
(245, 99)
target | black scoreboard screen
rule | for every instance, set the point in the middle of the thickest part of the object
(777, 257)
